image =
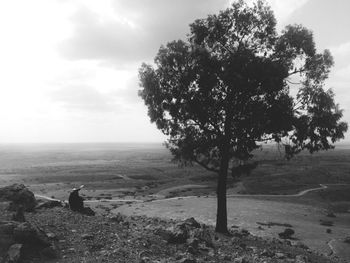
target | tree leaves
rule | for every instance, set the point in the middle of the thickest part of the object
(228, 86)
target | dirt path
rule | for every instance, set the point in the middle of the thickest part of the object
(165, 191)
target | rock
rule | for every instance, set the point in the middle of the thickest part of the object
(49, 204)
(240, 233)
(347, 240)
(7, 227)
(192, 222)
(27, 233)
(326, 223)
(280, 255)
(193, 244)
(330, 214)
(71, 250)
(287, 233)
(51, 235)
(18, 194)
(267, 253)
(203, 235)
(87, 236)
(301, 245)
(329, 231)
(50, 252)
(187, 260)
(165, 234)
(178, 235)
(6, 236)
(145, 260)
(19, 215)
(14, 254)
(243, 259)
(301, 259)
(117, 218)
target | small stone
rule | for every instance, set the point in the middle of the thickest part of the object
(71, 250)
(87, 236)
(287, 233)
(14, 253)
(51, 235)
(187, 260)
(329, 231)
(144, 260)
(280, 255)
(267, 253)
(19, 215)
(330, 214)
(301, 259)
(243, 259)
(192, 222)
(326, 223)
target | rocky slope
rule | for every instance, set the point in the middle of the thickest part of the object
(56, 234)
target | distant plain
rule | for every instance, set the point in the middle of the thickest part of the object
(145, 172)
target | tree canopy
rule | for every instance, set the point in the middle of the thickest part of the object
(235, 84)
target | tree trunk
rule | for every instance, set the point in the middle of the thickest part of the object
(221, 215)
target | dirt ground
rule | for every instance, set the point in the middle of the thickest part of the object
(254, 214)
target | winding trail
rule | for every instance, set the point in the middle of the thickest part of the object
(301, 193)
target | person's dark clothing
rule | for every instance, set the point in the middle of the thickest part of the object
(76, 202)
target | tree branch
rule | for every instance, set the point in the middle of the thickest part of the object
(296, 71)
(206, 166)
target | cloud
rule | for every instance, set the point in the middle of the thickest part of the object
(134, 32)
(342, 49)
(84, 98)
(284, 9)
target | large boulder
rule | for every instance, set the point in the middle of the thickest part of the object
(14, 235)
(18, 195)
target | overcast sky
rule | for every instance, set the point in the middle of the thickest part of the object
(68, 68)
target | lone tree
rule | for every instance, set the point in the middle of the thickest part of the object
(236, 84)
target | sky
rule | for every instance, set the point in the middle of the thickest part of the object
(69, 68)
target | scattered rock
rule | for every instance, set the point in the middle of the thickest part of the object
(117, 218)
(330, 214)
(269, 224)
(301, 245)
(50, 252)
(14, 253)
(49, 204)
(347, 240)
(267, 253)
(87, 236)
(178, 235)
(280, 255)
(192, 223)
(287, 233)
(18, 195)
(301, 259)
(51, 235)
(203, 235)
(243, 259)
(27, 233)
(187, 260)
(326, 223)
(19, 215)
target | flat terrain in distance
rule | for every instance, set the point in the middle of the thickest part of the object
(145, 172)
(116, 170)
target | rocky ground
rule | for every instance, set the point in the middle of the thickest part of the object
(53, 233)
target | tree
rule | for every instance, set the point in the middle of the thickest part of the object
(228, 89)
